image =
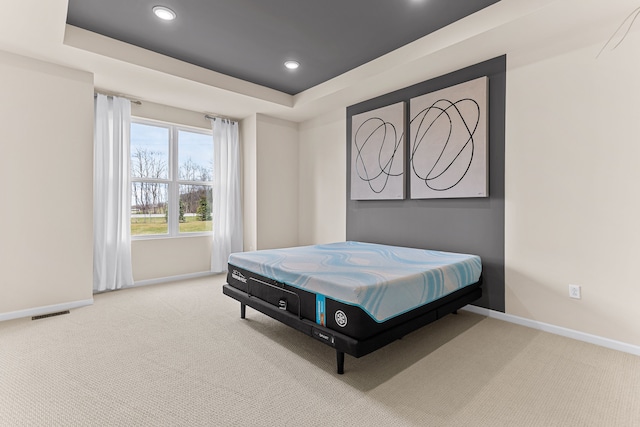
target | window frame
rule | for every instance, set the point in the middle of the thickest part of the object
(173, 180)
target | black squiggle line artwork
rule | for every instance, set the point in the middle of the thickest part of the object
(448, 144)
(378, 153)
(384, 163)
(451, 158)
(628, 22)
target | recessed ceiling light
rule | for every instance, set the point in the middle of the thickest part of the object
(292, 65)
(164, 13)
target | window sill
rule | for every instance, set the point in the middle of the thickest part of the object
(168, 237)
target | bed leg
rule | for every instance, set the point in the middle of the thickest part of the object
(243, 310)
(340, 360)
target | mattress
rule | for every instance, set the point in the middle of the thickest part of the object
(384, 281)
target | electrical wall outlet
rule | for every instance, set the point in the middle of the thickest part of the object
(574, 291)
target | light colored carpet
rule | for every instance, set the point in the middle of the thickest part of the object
(178, 354)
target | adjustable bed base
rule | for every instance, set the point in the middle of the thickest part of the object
(346, 344)
(346, 326)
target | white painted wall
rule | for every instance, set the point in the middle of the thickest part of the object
(322, 192)
(166, 113)
(572, 199)
(46, 171)
(277, 182)
(248, 137)
(154, 259)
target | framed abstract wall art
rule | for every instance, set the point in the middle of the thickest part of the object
(378, 153)
(448, 148)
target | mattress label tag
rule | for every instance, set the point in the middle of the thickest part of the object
(239, 276)
(320, 309)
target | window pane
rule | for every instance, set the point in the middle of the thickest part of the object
(195, 208)
(195, 156)
(149, 207)
(149, 151)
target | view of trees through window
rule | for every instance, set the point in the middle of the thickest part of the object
(171, 179)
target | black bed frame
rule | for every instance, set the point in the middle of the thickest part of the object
(346, 344)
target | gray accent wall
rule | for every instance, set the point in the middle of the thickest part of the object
(473, 225)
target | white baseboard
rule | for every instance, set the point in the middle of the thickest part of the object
(171, 279)
(557, 330)
(47, 309)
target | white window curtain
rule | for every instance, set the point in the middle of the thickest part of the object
(111, 194)
(227, 208)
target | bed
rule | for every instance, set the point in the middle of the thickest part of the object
(353, 296)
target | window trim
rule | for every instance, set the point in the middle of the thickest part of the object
(173, 181)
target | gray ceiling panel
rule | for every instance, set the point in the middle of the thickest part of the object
(251, 39)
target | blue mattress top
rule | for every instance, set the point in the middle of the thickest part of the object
(385, 281)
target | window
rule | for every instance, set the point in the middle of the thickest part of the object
(171, 179)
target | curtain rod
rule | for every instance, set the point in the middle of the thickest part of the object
(133, 101)
(138, 102)
(213, 117)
